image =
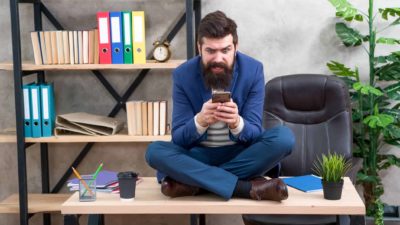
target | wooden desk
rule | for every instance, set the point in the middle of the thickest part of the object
(149, 200)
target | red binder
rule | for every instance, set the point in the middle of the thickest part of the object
(103, 22)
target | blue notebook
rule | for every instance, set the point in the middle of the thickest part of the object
(104, 179)
(307, 183)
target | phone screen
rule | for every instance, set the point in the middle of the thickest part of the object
(221, 97)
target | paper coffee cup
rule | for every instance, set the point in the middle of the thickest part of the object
(127, 185)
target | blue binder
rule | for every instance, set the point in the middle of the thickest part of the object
(27, 111)
(117, 45)
(47, 109)
(35, 103)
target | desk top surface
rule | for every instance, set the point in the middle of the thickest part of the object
(149, 200)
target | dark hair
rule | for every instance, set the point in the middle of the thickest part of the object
(217, 25)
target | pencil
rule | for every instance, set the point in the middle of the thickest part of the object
(83, 181)
(95, 175)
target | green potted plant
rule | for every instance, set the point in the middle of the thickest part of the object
(375, 95)
(332, 168)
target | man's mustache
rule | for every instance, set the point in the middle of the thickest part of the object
(217, 65)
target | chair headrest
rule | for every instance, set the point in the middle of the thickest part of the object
(306, 98)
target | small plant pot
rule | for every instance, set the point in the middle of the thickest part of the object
(332, 190)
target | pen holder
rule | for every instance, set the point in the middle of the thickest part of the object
(87, 189)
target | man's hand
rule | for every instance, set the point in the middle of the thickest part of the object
(206, 116)
(228, 112)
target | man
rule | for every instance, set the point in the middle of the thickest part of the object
(220, 147)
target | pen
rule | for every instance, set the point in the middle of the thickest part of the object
(95, 175)
(83, 181)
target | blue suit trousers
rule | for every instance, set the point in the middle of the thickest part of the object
(217, 169)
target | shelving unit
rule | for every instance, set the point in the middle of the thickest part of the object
(21, 69)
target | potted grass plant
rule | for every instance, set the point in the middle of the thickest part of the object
(332, 168)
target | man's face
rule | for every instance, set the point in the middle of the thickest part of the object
(218, 57)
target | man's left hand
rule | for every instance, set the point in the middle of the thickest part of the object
(228, 112)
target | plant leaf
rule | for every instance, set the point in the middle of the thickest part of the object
(393, 91)
(386, 12)
(366, 89)
(345, 10)
(387, 41)
(361, 177)
(349, 36)
(395, 113)
(392, 132)
(340, 70)
(393, 57)
(380, 120)
(389, 72)
(385, 161)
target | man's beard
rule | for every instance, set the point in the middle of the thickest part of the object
(220, 80)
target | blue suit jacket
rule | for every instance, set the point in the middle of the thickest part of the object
(189, 93)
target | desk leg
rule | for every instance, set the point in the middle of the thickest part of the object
(357, 220)
(193, 219)
(96, 219)
(342, 220)
(202, 219)
(71, 220)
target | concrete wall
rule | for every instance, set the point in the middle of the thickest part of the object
(288, 36)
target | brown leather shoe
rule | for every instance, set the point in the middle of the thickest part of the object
(173, 188)
(273, 189)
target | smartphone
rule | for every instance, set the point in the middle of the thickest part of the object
(224, 96)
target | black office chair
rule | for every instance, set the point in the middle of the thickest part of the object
(317, 109)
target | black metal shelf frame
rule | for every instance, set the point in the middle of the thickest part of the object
(193, 9)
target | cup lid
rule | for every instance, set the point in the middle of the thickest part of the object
(127, 174)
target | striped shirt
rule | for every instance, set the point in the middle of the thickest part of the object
(217, 135)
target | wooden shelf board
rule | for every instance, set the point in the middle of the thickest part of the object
(11, 138)
(36, 203)
(151, 64)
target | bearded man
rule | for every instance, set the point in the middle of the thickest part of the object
(220, 147)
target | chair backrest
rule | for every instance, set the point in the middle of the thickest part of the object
(317, 109)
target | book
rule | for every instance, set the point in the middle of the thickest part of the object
(36, 48)
(130, 117)
(104, 179)
(306, 183)
(163, 117)
(66, 47)
(144, 118)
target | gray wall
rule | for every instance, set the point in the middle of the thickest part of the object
(288, 36)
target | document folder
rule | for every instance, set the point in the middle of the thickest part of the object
(139, 37)
(48, 109)
(117, 56)
(27, 111)
(127, 32)
(104, 37)
(35, 103)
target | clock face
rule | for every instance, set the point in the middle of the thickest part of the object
(161, 53)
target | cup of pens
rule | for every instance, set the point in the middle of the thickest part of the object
(87, 188)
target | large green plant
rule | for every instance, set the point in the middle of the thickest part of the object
(376, 105)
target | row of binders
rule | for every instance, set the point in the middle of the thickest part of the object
(65, 47)
(119, 39)
(122, 37)
(39, 109)
(147, 118)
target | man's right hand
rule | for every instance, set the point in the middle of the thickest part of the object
(206, 116)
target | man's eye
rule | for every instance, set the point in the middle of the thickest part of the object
(225, 51)
(210, 51)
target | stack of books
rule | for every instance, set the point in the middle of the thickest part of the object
(106, 181)
(65, 47)
(147, 118)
